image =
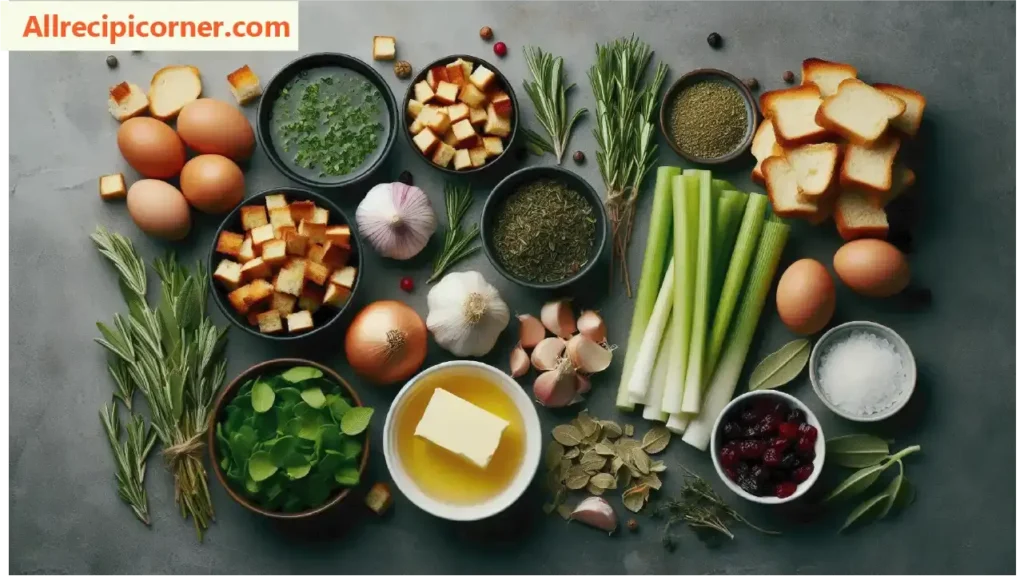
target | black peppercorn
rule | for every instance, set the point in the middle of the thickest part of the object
(788, 76)
(751, 83)
(111, 61)
(405, 178)
(714, 40)
(632, 525)
(578, 157)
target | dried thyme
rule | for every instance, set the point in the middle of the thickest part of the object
(708, 119)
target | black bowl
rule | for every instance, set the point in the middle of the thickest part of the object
(712, 75)
(324, 60)
(326, 316)
(509, 185)
(502, 81)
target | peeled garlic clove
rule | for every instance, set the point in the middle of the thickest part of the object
(582, 384)
(597, 512)
(546, 353)
(557, 318)
(588, 356)
(555, 388)
(531, 331)
(519, 363)
(592, 326)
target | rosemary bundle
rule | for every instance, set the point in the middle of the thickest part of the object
(130, 458)
(457, 241)
(625, 132)
(548, 91)
(174, 355)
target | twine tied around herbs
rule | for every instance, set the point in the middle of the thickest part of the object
(189, 448)
(621, 203)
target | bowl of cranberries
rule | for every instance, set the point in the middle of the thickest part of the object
(768, 447)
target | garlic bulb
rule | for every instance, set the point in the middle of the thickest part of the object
(397, 220)
(466, 314)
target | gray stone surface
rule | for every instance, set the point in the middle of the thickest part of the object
(65, 515)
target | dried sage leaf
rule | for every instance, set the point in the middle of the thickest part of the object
(629, 429)
(563, 468)
(554, 481)
(641, 460)
(867, 511)
(567, 435)
(594, 437)
(565, 511)
(576, 478)
(656, 440)
(651, 480)
(586, 449)
(587, 424)
(857, 482)
(611, 429)
(658, 466)
(623, 475)
(617, 464)
(629, 443)
(604, 481)
(595, 490)
(553, 455)
(634, 498)
(856, 450)
(604, 448)
(782, 366)
(571, 453)
(593, 462)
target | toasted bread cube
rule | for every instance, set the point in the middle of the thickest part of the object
(383, 47)
(239, 299)
(276, 201)
(254, 217)
(316, 273)
(291, 278)
(255, 269)
(502, 104)
(245, 85)
(481, 78)
(259, 290)
(447, 92)
(449, 138)
(462, 160)
(420, 122)
(477, 116)
(126, 101)
(300, 321)
(426, 141)
(423, 92)
(229, 243)
(262, 234)
(270, 322)
(345, 277)
(315, 252)
(438, 121)
(378, 498)
(339, 235)
(336, 295)
(112, 187)
(246, 252)
(436, 75)
(463, 131)
(283, 303)
(315, 232)
(457, 74)
(281, 217)
(493, 146)
(443, 155)
(312, 297)
(496, 125)
(275, 252)
(478, 156)
(815, 165)
(870, 168)
(783, 185)
(859, 112)
(457, 112)
(295, 243)
(321, 216)
(229, 273)
(414, 108)
(335, 255)
(467, 68)
(302, 210)
(283, 231)
(253, 317)
(472, 96)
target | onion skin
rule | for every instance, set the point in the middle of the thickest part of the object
(588, 356)
(386, 342)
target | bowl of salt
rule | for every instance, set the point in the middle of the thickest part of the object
(863, 371)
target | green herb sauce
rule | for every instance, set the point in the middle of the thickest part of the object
(708, 119)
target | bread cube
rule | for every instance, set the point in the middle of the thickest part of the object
(346, 277)
(493, 146)
(229, 273)
(240, 300)
(302, 210)
(478, 156)
(253, 317)
(262, 234)
(321, 216)
(413, 108)
(378, 498)
(496, 125)
(502, 104)
(281, 217)
(245, 85)
(457, 74)
(126, 101)
(336, 295)
(112, 187)
(462, 160)
(270, 322)
(463, 132)
(447, 93)
(229, 243)
(276, 201)
(299, 321)
(472, 96)
(291, 278)
(275, 252)
(246, 252)
(254, 217)
(457, 112)
(481, 78)
(383, 47)
(315, 252)
(443, 155)
(477, 116)
(255, 269)
(438, 121)
(436, 75)
(339, 235)
(426, 141)
(420, 121)
(295, 243)
(335, 255)
(316, 273)
(467, 68)
(315, 232)
(449, 138)
(423, 91)
(312, 297)
(283, 303)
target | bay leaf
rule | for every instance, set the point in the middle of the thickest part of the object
(576, 478)
(616, 464)
(604, 481)
(553, 455)
(651, 480)
(563, 469)
(567, 435)
(857, 482)
(656, 439)
(658, 466)
(634, 498)
(587, 424)
(866, 511)
(629, 442)
(594, 437)
(611, 429)
(593, 462)
(641, 460)
(604, 448)
(856, 450)
(595, 490)
(623, 476)
(571, 453)
(548, 507)
(905, 496)
(628, 429)
(782, 366)
(586, 449)
(564, 510)
(553, 481)
(891, 492)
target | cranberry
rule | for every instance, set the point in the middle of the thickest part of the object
(760, 473)
(406, 284)
(779, 444)
(748, 417)
(795, 415)
(805, 444)
(808, 457)
(732, 474)
(728, 456)
(772, 457)
(808, 431)
(768, 425)
(803, 473)
(789, 430)
(732, 430)
(785, 490)
(751, 449)
(500, 49)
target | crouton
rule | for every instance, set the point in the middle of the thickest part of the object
(283, 303)
(443, 155)
(435, 76)
(870, 168)
(426, 141)
(276, 201)
(239, 299)
(302, 210)
(910, 121)
(260, 290)
(336, 295)
(481, 78)
(378, 498)
(414, 108)
(291, 278)
(825, 75)
(339, 235)
(281, 217)
(254, 217)
(275, 252)
(859, 112)
(858, 217)
(383, 47)
(246, 252)
(335, 255)
(171, 88)
(783, 184)
(477, 116)
(316, 273)
(112, 187)
(311, 298)
(496, 125)
(245, 85)
(792, 112)
(295, 243)
(472, 96)
(423, 92)
(315, 252)
(256, 268)
(447, 93)
(462, 160)
(467, 67)
(463, 131)
(299, 321)
(283, 231)
(478, 156)
(437, 120)
(229, 243)
(270, 322)
(502, 104)
(315, 232)
(345, 277)
(763, 146)
(456, 74)
(458, 112)
(126, 100)
(229, 273)
(320, 216)
(493, 146)
(815, 165)
(261, 235)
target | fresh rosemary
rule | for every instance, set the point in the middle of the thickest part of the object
(699, 507)
(548, 91)
(130, 458)
(457, 241)
(625, 132)
(537, 144)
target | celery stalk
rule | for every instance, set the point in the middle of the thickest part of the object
(685, 212)
(650, 275)
(727, 373)
(694, 386)
(652, 403)
(678, 422)
(640, 377)
(728, 215)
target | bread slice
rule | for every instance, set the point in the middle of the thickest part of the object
(857, 216)
(859, 112)
(126, 101)
(815, 165)
(910, 121)
(793, 112)
(171, 88)
(245, 85)
(783, 184)
(763, 146)
(112, 187)
(826, 205)
(383, 47)
(902, 179)
(870, 168)
(825, 75)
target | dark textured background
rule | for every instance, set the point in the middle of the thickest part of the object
(65, 515)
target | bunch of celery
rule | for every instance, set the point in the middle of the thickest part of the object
(711, 257)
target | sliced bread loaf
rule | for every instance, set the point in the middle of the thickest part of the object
(815, 166)
(763, 146)
(171, 88)
(910, 121)
(825, 75)
(783, 184)
(857, 216)
(792, 112)
(902, 179)
(869, 168)
(859, 112)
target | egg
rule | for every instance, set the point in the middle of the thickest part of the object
(151, 147)
(872, 267)
(212, 183)
(211, 126)
(159, 209)
(806, 297)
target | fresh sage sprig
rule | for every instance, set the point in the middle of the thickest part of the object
(458, 242)
(856, 450)
(548, 92)
(864, 452)
(782, 366)
(130, 458)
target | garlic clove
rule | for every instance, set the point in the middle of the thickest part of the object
(546, 353)
(531, 331)
(519, 363)
(557, 318)
(555, 388)
(582, 384)
(586, 355)
(597, 512)
(592, 326)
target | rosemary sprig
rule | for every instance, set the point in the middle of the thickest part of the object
(537, 144)
(130, 458)
(547, 91)
(457, 241)
(624, 132)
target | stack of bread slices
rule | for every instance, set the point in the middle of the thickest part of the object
(828, 148)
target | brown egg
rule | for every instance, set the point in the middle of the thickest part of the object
(212, 183)
(806, 297)
(872, 267)
(159, 209)
(151, 147)
(211, 126)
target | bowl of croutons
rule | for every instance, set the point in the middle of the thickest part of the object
(285, 264)
(461, 114)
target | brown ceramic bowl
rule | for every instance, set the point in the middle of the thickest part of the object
(229, 392)
(721, 77)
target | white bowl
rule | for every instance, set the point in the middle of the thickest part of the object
(884, 332)
(819, 447)
(478, 510)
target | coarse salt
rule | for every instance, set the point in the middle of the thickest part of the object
(862, 374)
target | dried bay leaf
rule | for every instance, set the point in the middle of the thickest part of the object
(617, 464)
(593, 462)
(656, 439)
(571, 453)
(563, 468)
(658, 466)
(587, 424)
(565, 511)
(595, 490)
(651, 480)
(641, 460)
(553, 480)
(611, 429)
(553, 455)
(623, 476)
(604, 481)
(576, 478)
(567, 435)
(782, 366)
(629, 429)
(604, 448)
(594, 437)
(634, 498)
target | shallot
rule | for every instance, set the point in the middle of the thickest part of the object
(596, 512)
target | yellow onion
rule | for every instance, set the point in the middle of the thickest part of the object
(387, 342)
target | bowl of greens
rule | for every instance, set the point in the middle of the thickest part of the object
(288, 439)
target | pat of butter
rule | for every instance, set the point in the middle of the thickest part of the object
(461, 427)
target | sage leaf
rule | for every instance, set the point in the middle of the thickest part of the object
(782, 366)
(857, 450)
(891, 492)
(576, 478)
(355, 421)
(634, 498)
(314, 397)
(571, 453)
(564, 510)
(641, 460)
(262, 397)
(866, 511)
(261, 467)
(857, 482)
(567, 435)
(338, 407)
(553, 455)
(656, 439)
(604, 481)
(603, 448)
(300, 373)
(611, 429)
(905, 496)
(587, 424)
(651, 480)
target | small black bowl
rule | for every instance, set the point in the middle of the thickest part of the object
(510, 185)
(326, 316)
(501, 80)
(309, 62)
(721, 77)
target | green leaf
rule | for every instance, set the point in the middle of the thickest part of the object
(330, 438)
(300, 373)
(310, 425)
(246, 387)
(266, 425)
(857, 482)
(293, 504)
(252, 486)
(235, 419)
(856, 450)
(314, 397)
(316, 489)
(348, 476)
(782, 366)
(331, 462)
(891, 492)
(866, 511)
(293, 427)
(905, 496)
(262, 397)
(242, 444)
(338, 406)
(288, 397)
(296, 472)
(261, 466)
(350, 449)
(355, 421)
(285, 454)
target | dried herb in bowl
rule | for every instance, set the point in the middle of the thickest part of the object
(708, 119)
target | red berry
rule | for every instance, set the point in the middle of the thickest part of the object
(406, 284)
(805, 444)
(500, 49)
(808, 431)
(732, 474)
(728, 456)
(772, 457)
(803, 473)
(789, 430)
(785, 490)
(751, 449)
(779, 444)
